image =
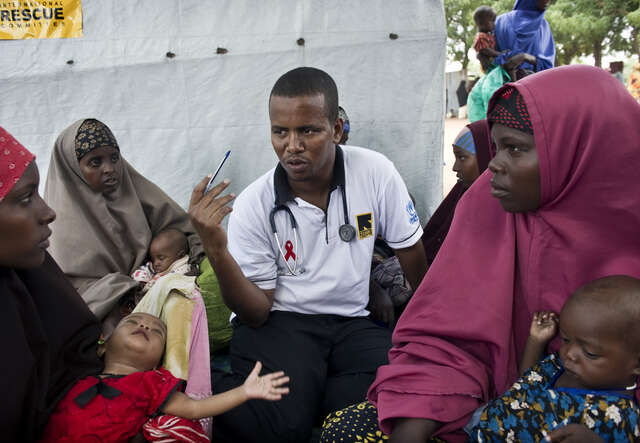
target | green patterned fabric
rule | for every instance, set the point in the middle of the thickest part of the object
(479, 97)
(217, 312)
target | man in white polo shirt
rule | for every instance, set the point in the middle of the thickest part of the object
(295, 267)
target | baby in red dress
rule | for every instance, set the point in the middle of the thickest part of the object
(133, 395)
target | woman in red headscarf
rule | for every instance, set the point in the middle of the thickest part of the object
(50, 336)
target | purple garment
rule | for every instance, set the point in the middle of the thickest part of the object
(525, 30)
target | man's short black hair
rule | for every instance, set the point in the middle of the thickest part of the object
(306, 81)
(484, 13)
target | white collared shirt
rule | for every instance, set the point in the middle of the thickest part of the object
(333, 275)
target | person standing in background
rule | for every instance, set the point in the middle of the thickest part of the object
(633, 84)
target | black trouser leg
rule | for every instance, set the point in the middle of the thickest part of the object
(331, 361)
(360, 347)
(290, 342)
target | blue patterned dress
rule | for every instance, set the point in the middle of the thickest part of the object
(533, 407)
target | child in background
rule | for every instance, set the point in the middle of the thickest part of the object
(633, 84)
(589, 386)
(169, 252)
(485, 40)
(132, 392)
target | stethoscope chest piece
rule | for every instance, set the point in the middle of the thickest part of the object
(347, 232)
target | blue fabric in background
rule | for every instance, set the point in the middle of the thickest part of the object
(525, 30)
(465, 141)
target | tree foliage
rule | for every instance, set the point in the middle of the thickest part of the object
(579, 27)
(460, 28)
(591, 27)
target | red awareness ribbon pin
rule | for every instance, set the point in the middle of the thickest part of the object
(289, 247)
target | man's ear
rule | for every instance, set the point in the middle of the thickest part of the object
(338, 128)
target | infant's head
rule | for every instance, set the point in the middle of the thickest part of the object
(485, 18)
(138, 341)
(600, 333)
(167, 247)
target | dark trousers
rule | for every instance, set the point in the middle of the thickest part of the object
(331, 361)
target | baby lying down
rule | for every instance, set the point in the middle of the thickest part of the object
(134, 395)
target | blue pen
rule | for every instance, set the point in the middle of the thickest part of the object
(210, 184)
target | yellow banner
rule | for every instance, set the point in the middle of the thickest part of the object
(20, 19)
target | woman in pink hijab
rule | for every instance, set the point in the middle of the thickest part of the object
(559, 207)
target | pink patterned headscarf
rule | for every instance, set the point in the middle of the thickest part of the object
(459, 340)
(14, 159)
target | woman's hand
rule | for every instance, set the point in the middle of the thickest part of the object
(515, 61)
(574, 433)
(268, 387)
(207, 212)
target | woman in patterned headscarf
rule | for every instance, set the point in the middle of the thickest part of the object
(107, 215)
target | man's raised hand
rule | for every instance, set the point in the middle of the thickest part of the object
(207, 212)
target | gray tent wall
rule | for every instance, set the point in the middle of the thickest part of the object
(175, 117)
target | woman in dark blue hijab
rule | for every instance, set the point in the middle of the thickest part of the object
(526, 37)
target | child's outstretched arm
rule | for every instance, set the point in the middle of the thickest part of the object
(267, 387)
(543, 328)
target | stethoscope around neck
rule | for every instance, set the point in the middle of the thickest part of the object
(346, 231)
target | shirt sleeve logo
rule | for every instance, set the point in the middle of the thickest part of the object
(365, 225)
(411, 210)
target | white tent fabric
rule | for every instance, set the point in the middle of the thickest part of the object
(175, 117)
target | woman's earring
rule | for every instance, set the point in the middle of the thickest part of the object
(100, 341)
